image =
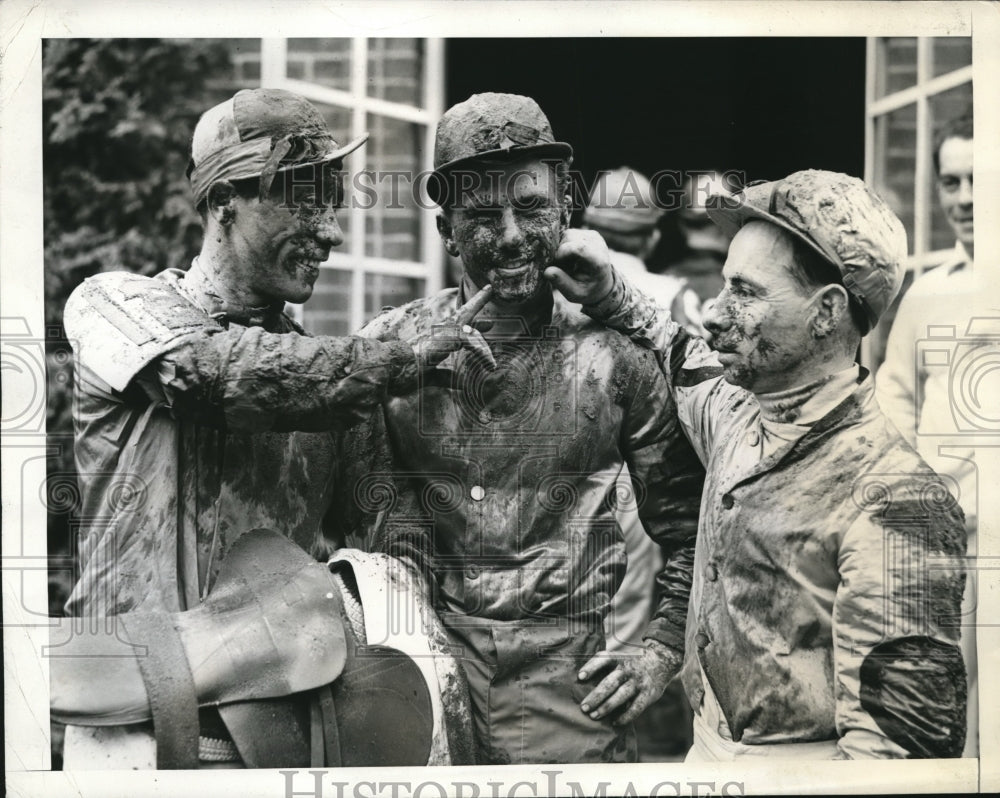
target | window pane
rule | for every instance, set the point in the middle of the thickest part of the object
(951, 53)
(897, 64)
(383, 290)
(323, 61)
(944, 107)
(244, 71)
(328, 311)
(245, 55)
(392, 225)
(395, 67)
(895, 163)
(339, 120)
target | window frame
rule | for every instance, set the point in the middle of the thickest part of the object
(430, 267)
(920, 257)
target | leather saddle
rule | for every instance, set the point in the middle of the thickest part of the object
(376, 712)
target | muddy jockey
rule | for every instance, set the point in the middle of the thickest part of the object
(824, 614)
(203, 417)
(503, 487)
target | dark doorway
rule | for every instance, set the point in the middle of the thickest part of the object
(764, 106)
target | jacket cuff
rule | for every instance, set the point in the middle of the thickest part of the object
(403, 368)
(612, 302)
(669, 634)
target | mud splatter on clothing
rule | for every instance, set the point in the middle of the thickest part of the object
(502, 487)
(183, 423)
(813, 563)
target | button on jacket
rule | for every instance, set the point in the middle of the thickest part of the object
(503, 486)
(506, 486)
(827, 576)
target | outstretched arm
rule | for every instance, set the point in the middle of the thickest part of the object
(583, 272)
(138, 336)
(263, 381)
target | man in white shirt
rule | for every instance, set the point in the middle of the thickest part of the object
(917, 395)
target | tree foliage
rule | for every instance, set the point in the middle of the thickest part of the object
(117, 121)
(118, 116)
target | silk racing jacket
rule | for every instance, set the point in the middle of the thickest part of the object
(827, 576)
(195, 423)
(504, 487)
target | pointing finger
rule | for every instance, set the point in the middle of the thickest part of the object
(469, 310)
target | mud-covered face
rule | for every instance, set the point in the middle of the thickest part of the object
(760, 323)
(282, 240)
(955, 187)
(507, 228)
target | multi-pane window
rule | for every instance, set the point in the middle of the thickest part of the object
(392, 88)
(915, 84)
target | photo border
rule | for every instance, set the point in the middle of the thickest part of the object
(24, 24)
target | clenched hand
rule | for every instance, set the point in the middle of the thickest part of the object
(581, 267)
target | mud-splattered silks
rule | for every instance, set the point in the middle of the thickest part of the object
(827, 574)
(504, 489)
(184, 412)
(182, 415)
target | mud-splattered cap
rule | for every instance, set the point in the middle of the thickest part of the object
(491, 126)
(258, 133)
(622, 201)
(838, 216)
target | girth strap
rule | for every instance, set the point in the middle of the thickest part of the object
(329, 732)
(170, 687)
